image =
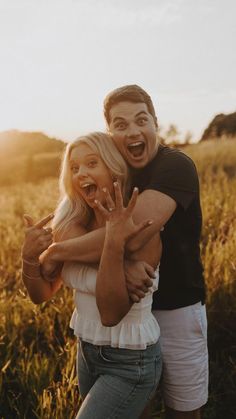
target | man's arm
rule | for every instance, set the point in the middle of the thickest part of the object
(154, 205)
(88, 248)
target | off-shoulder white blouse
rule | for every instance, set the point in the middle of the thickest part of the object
(136, 330)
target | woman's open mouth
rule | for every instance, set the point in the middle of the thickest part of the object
(136, 149)
(89, 189)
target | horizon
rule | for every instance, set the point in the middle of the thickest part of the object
(61, 57)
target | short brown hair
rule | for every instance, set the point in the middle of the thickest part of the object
(129, 93)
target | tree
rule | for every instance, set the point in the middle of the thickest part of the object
(188, 137)
(171, 134)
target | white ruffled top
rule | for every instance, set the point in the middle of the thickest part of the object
(136, 330)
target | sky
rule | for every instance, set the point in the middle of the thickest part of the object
(59, 58)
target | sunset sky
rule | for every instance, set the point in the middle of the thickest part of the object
(59, 58)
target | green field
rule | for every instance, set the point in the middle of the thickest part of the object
(37, 348)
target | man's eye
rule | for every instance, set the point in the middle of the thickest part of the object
(120, 125)
(142, 121)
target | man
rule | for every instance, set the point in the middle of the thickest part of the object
(169, 194)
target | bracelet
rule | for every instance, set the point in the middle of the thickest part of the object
(30, 263)
(30, 277)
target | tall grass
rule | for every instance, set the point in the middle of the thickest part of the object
(216, 162)
(37, 349)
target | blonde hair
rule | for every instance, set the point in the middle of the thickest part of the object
(72, 206)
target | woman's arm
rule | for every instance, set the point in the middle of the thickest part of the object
(37, 239)
(34, 251)
(111, 291)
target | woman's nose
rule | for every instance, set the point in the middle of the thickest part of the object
(82, 172)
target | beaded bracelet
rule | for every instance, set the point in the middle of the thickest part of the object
(30, 263)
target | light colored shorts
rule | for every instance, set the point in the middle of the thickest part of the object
(185, 356)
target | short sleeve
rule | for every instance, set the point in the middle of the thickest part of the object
(176, 176)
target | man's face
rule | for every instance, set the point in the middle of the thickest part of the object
(134, 132)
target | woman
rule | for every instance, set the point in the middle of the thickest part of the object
(119, 360)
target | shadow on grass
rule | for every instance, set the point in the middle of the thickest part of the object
(222, 353)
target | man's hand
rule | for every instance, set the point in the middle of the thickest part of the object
(139, 278)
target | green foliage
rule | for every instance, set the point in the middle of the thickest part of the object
(37, 349)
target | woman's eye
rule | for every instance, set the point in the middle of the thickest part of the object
(92, 163)
(74, 169)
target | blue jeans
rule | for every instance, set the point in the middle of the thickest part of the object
(116, 383)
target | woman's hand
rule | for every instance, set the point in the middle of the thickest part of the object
(119, 219)
(37, 238)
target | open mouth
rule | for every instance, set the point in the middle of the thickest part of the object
(136, 149)
(89, 189)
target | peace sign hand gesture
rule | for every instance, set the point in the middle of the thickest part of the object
(119, 222)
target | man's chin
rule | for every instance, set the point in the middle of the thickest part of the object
(137, 163)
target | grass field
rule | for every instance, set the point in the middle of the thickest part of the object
(37, 348)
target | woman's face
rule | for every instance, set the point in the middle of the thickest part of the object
(89, 174)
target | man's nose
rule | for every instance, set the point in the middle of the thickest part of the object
(133, 130)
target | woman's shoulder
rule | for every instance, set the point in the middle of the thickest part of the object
(73, 229)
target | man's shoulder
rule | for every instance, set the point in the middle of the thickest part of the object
(172, 158)
(166, 152)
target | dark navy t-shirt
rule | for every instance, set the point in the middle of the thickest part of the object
(181, 273)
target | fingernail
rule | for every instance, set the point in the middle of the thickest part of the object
(104, 189)
(150, 222)
(135, 189)
(115, 183)
(95, 201)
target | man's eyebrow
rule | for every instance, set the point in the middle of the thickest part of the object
(123, 118)
(118, 118)
(139, 113)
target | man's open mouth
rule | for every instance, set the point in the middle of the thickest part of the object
(137, 148)
(89, 189)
